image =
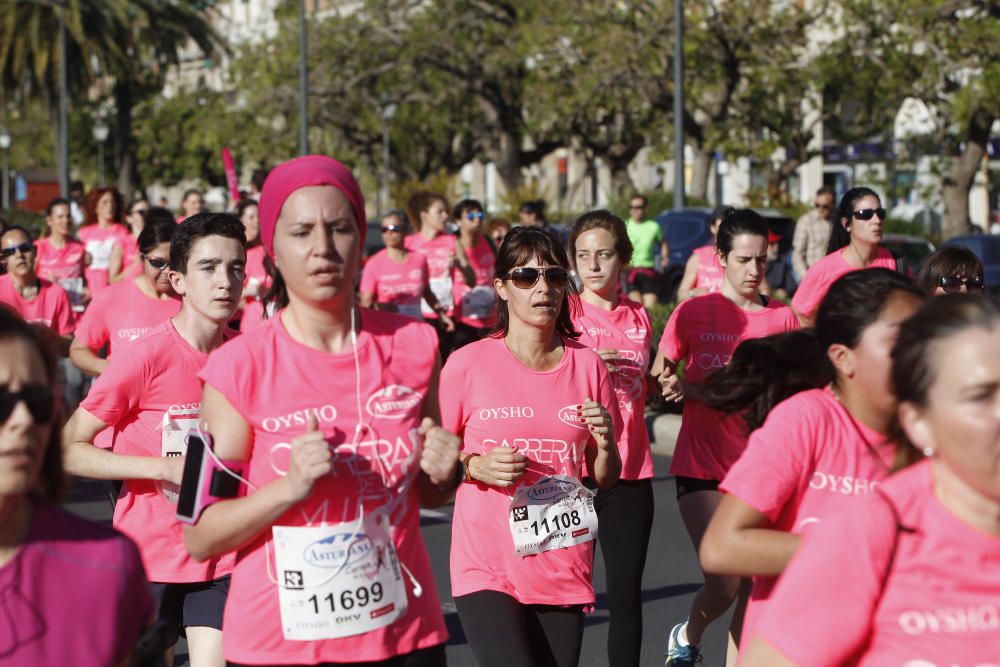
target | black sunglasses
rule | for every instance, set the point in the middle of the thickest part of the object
(158, 263)
(392, 228)
(527, 277)
(38, 398)
(867, 213)
(952, 284)
(23, 248)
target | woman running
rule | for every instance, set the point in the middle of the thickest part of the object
(125, 261)
(258, 279)
(817, 450)
(854, 245)
(703, 332)
(524, 524)
(395, 279)
(56, 569)
(192, 203)
(476, 305)
(331, 410)
(101, 232)
(951, 270)
(618, 329)
(129, 309)
(61, 258)
(910, 574)
(703, 273)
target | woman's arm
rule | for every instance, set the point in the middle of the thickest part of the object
(665, 372)
(115, 264)
(463, 265)
(439, 457)
(367, 300)
(84, 358)
(686, 288)
(604, 463)
(736, 543)
(762, 654)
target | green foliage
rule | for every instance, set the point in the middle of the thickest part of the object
(658, 317)
(28, 219)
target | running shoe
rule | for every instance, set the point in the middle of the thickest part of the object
(680, 655)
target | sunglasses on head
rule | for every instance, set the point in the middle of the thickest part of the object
(38, 398)
(867, 213)
(952, 284)
(23, 248)
(392, 228)
(474, 215)
(157, 263)
(527, 277)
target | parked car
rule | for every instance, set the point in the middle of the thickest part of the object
(911, 250)
(987, 249)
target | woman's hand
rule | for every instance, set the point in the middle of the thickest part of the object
(449, 324)
(311, 458)
(598, 421)
(440, 453)
(501, 466)
(671, 386)
(611, 359)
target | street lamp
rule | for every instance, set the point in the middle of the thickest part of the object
(5, 146)
(303, 83)
(387, 111)
(678, 106)
(100, 136)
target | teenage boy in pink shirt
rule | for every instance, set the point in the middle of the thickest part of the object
(151, 394)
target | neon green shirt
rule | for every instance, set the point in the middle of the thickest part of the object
(644, 237)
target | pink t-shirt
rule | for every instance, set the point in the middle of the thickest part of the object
(535, 412)
(57, 264)
(848, 599)
(823, 273)
(710, 274)
(74, 594)
(809, 460)
(703, 332)
(477, 306)
(275, 382)
(121, 314)
(439, 252)
(50, 307)
(628, 330)
(398, 283)
(99, 242)
(253, 309)
(149, 390)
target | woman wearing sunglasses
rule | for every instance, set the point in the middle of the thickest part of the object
(475, 305)
(951, 270)
(910, 575)
(854, 245)
(703, 332)
(126, 310)
(55, 568)
(619, 330)
(524, 524)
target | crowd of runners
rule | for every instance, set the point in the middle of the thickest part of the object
(271, 413)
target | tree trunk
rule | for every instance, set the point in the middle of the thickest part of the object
(958, 182)
(701, 173)
(508, 160)
(124, 101)
(621, 182)
(52, 104)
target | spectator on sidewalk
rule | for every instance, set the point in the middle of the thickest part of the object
(812, 232)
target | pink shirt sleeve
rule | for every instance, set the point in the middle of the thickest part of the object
(369, 279)
(63, 318)
(451, 393)
(224, 372)
(114, 394)
(92, 329)
(673, 344)
(811, 290)
(819, 616)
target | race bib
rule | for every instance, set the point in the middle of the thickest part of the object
(338, 580)
(410, 310)
(477, 303)
(554, 513)
(173, 442)
(442, 291)
(74, 290)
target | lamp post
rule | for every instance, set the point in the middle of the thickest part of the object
(303, 83)
(100, 136)
(5, 146)
(678, 106)
(387, 111)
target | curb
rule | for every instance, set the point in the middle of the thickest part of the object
(663, 429)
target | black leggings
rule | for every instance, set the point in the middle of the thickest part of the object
(502, 632)
(625, 519)
(432, 656)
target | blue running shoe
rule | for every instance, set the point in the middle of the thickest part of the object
(679, 655)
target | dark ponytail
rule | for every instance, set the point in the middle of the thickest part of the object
(840, 234)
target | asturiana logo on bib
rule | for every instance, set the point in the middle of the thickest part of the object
(550, 488)
(568, 415)
(393, 402)
(333, 551)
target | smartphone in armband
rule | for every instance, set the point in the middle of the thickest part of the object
(206, 480)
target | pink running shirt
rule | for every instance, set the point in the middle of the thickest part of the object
(808, 461)
(823, 273)
(535, 412)
(398, 283)
(628, 330)
(937, 606)
(439, 252)
(144, 386)
(55, 264)
(275, 382)
(477, 306)
(51, 307)
(710, 274)
(74, 594)
(253, 310)
(99, 242)
(121, 314)
(703, 331)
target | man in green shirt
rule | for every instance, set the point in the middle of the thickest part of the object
(644, 235)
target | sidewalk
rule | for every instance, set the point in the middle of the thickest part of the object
(663, 430)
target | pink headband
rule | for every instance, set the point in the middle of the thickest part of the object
(303, 172)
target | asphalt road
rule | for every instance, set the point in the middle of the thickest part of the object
(669, 582)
